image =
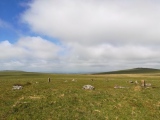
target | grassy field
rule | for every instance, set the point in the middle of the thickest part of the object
(63, 99)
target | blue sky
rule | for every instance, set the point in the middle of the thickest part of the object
(9, 14)
(79, 36)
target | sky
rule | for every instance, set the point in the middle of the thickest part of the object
(75, 36)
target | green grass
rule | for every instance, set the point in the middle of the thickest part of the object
(60, 100)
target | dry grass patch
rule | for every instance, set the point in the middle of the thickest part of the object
(35, 97)
(137, 88)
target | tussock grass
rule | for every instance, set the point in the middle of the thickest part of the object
(59, 100)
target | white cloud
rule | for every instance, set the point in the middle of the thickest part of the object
(9, 50)
(37, 54)
(98, 33)
(96, 21)
(29, 53)
(38, 47)
(29, 47)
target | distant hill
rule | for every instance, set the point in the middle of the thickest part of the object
(11, 71)
(133, 71)
(18, 73)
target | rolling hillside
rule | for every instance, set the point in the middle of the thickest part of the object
(127, 71)
(133, 71)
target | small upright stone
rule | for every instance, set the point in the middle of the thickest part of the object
(49, 80)
(143, 83)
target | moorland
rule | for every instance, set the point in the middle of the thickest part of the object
(64, 99)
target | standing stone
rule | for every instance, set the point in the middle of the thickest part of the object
(143, 83)
(49, 80)
(136, 82)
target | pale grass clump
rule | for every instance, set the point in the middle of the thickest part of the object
(137, 88)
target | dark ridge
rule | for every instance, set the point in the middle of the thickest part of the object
(133, 71)
(12, 71)
(16, 72)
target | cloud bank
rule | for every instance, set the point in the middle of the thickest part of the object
(95, 35)
(96, 21)
(28, 53)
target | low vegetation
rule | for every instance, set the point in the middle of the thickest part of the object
(64, 99)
